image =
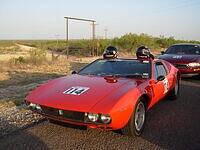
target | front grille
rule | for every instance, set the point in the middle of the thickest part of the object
(181, 66)
(64, 114)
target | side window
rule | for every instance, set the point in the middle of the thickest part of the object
(160, 69)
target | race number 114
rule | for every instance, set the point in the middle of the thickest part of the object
(76, 90)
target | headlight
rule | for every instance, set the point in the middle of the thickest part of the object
(38, 107)
(194, 64)
(32, 106)
(105, 118)
(98, 118)
(93, 117)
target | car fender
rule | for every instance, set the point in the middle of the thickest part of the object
(120, 104)
(123, 109)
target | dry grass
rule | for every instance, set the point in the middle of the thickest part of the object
(19, 79)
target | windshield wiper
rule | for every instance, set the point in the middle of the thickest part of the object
(113, 75)
(108, 75)
(134, 75)
(89, 74)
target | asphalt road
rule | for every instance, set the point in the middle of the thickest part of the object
(170, 125)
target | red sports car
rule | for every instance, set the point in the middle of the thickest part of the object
(108, 94)
(186, 57)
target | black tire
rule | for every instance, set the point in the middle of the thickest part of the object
(175, 92)
(130, 128)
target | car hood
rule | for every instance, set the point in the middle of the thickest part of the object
(183, 59)
(51, 94)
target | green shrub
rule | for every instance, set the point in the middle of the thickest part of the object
(18, 60)
(37, 55)
(126, 43)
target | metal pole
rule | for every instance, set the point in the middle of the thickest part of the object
(67, 30)
(79, 19)
(105, 33)
(93, 38)
(93, 30)
(67, 36)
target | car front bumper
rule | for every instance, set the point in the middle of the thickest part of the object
(184, 69)
(190, 71)
(90, 125)
(81, 118)
(71, 117)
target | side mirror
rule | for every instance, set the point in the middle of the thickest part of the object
(152, 81)
(162, 52)
(74, 72)
(160, 78)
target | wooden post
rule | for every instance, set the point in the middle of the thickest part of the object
(67, 36)
(93, 38)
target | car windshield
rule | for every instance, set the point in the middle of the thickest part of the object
(184, 50)
(118, 68)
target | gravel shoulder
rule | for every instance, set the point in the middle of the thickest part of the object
(13, 118)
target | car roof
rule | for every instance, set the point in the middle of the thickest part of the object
(186, 44)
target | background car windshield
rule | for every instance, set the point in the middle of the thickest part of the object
(118, 68)
(184, 50)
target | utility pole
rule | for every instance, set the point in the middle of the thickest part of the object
(105, 30)
(57, 37)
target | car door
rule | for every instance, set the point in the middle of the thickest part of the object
(170, 76)
(160, 87)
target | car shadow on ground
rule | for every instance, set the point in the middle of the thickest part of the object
(21, 136)
(67, 125)
(175, 124)
(191, 78)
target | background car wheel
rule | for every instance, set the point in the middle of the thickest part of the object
(136, 123)
(174, 94)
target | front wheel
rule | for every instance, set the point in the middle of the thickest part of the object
(136, 123)
(174, 94)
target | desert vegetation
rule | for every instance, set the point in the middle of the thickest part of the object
(126, 44)
(25, 65)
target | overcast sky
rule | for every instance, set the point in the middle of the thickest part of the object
(44, 19)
